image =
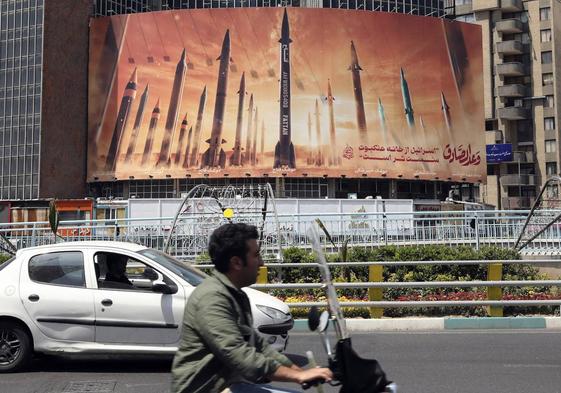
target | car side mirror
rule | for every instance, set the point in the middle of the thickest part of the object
(162, 287)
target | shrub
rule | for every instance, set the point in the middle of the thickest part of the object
(414, 273)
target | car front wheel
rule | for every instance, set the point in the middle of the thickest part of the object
(15, 347)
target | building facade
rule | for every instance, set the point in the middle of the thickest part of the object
(521, 68)
(43, 62)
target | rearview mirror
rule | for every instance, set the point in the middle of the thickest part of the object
(324, 321)
(313, 318)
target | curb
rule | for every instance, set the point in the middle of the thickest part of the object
(434, 324)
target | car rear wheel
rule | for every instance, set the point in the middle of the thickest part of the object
(15, 347)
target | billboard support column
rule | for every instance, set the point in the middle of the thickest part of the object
(279, 187)
(393, 189)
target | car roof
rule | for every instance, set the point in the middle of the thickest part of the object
(123, 246)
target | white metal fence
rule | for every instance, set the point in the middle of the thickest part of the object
(473, 228)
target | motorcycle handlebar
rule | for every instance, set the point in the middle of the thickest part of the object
(313, 382)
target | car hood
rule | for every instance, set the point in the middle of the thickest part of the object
(258, 297)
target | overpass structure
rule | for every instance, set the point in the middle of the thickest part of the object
(472, 228)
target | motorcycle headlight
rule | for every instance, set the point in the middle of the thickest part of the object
(271, 312)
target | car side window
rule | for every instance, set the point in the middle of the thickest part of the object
(119, 271)
(58, 268)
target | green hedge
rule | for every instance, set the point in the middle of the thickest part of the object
(4, 257)
(414, 273)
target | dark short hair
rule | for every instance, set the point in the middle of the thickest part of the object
(230, 240)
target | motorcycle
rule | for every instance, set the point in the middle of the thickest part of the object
(353, 373)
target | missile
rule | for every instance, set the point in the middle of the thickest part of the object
(406, 100)
(319, 155)
(121, 123)
(197, 137)
(236, 158)
(333, 159)
(247, 153)
(422, 123)
(382, 118)
(215, 156)
(137, 123)
(359, 100)
(446, 113)
(262, 155)
(189, 142)
(151, 131)
(254, 139)
(284, 149)
(310, 150)
(173, 110)
(180, 142)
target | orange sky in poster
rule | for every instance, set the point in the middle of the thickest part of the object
(385, 42)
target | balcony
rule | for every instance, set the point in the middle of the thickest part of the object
(518, 180)
(513, 113)
(510, 69)
(510, 26)
(514, 90)
(483, 5)
(512, 5)
(511, 47)
(523, 156)
(493, 136)
(517, 203)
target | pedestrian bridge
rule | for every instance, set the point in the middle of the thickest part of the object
(474, 228)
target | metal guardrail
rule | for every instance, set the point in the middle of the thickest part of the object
(494, 285)
(473, 228)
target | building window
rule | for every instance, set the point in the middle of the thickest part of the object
(549, 123)
(552, 191)
(58, 268)
(546, 35)
(549, 101)
(544, 13)
(547, 79)
(550, 168)
(546, 57)
(550, 145)
(469, 18)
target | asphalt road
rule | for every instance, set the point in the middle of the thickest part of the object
(511, 361)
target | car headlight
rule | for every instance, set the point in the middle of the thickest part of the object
(271, 312)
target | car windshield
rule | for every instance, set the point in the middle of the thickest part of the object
(6, 262)
(191, 275)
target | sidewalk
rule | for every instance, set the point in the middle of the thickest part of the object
(447, 323)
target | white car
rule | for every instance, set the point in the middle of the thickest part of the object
(57, 299)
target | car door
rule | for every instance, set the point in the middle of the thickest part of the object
(55, 295)
(134, 313)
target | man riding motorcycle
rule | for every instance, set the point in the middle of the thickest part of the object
(219, 347)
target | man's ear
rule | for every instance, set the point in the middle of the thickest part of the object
(236, 263)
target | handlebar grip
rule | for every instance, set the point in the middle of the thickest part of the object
(313, 382)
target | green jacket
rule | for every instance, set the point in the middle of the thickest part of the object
(219, 345)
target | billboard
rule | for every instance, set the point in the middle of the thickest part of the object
(285, 92)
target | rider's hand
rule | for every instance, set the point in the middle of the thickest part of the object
(315, 374)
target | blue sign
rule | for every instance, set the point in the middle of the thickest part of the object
(499, 153)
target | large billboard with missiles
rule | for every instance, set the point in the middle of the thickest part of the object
(285, 92)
